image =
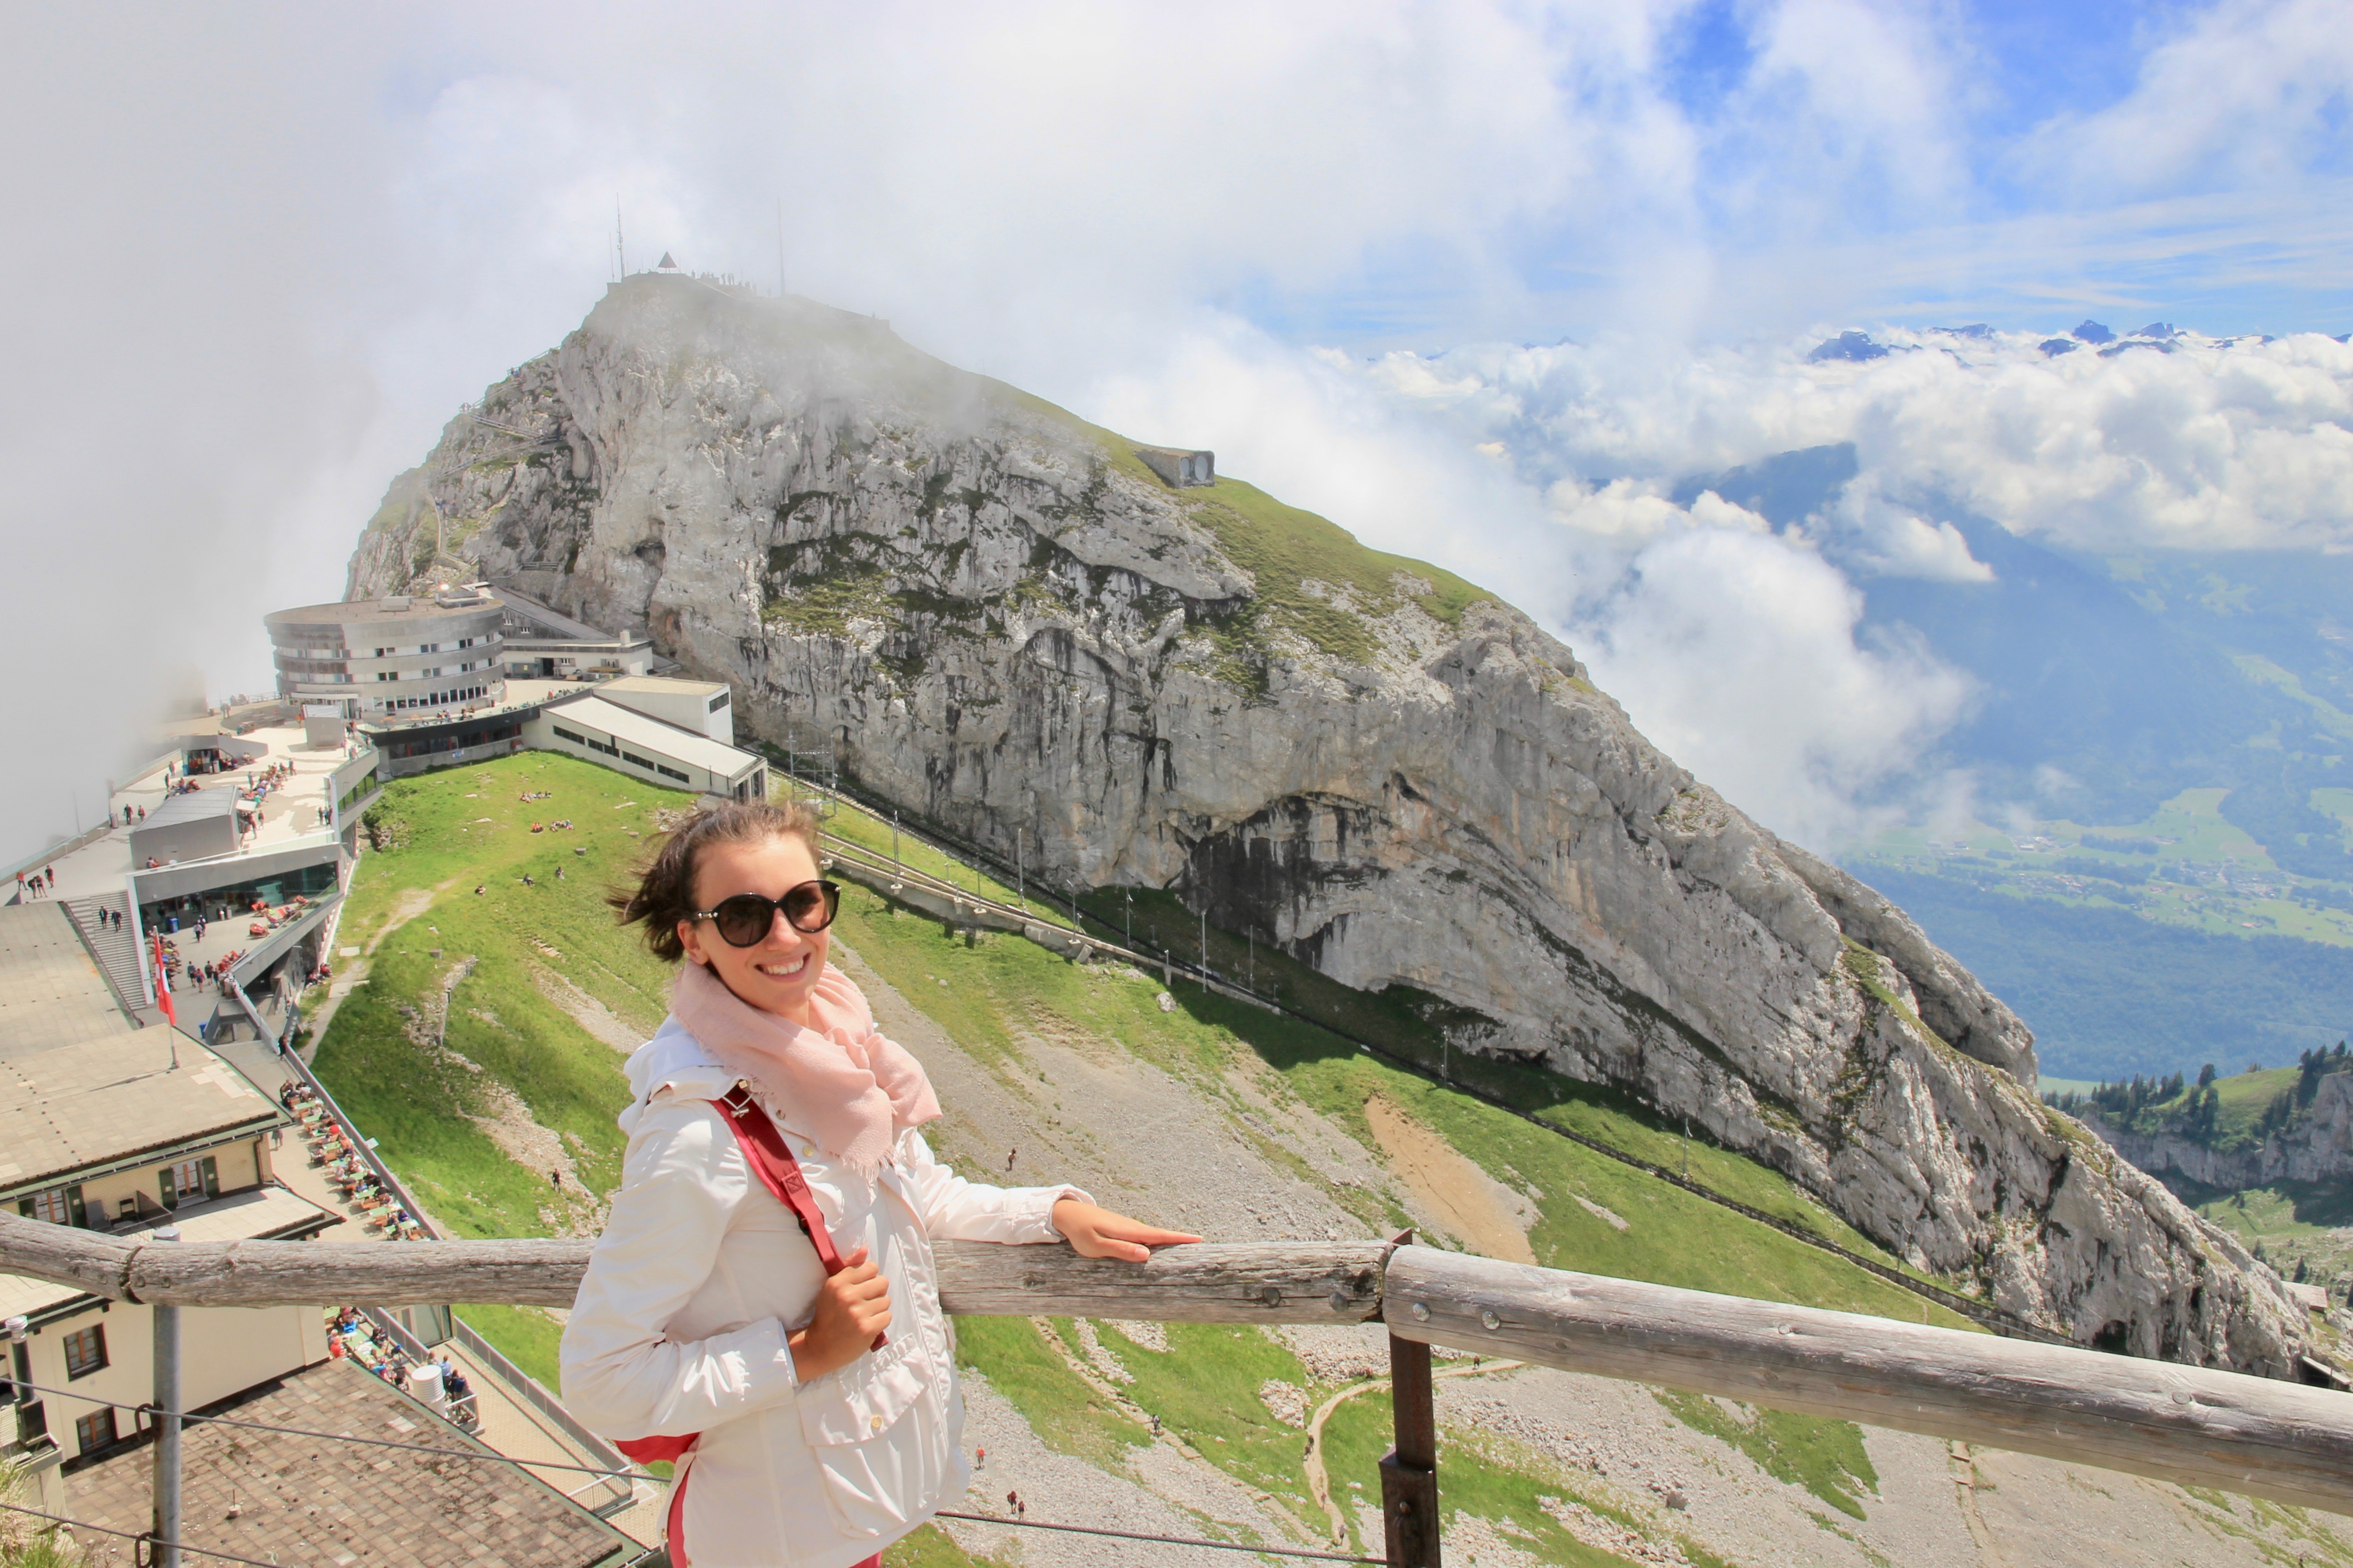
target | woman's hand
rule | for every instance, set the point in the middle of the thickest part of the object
(852, 1307)
(1096, 1231)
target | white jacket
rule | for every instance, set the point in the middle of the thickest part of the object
(679, 1326)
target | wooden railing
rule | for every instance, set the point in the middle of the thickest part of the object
(2261, 1437)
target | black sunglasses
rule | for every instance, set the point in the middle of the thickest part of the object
(747, 919)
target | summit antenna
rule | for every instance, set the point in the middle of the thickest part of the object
(620, 255)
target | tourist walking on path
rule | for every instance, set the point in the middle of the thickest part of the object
(802, 1382)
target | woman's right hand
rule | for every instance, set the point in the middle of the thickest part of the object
(852, 1307)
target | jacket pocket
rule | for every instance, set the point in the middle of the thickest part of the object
(879, 1443)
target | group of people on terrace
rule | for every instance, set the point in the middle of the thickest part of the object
(334, 1149)
(36, 884)
(438, 1380)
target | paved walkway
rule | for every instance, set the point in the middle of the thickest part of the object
(515, 1428)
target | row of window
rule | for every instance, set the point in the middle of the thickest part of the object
(578, 739)
(479, 734)
(432, 700)
(425, 648)
(177, 1183)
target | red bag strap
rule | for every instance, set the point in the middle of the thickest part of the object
(773, 1162)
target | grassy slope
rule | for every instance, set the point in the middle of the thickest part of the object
(1284, 548)
(415, 1105)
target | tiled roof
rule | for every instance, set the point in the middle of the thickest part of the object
(273, 1497)
(51, 991)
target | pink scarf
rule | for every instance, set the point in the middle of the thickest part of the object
(854, 1089)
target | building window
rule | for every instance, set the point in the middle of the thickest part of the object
(94, 1431)
(575, 736)
(188, 1179)
(85, 1351)
(670, 774)
(59, 1205)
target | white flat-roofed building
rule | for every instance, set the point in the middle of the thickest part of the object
(193, 826)
(704, 707)
(407, 655)
(661, 754)
(544, 642)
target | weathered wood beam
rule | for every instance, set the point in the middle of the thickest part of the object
(1280, 1282)
(2271, 1438)
(1207, 1282)
(2260, 1436)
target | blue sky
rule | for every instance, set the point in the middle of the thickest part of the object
(2024, 165)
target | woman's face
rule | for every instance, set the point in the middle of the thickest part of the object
(777, 974)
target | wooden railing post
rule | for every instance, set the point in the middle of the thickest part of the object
(167, 1512)
(1410, 1472)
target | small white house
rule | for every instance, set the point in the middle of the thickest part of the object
(702, 706)
(661, 754)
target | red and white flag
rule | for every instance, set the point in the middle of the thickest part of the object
(163, 983)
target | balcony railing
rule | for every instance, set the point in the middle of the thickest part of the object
(2266, 1438)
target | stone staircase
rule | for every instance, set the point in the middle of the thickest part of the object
(115, 952)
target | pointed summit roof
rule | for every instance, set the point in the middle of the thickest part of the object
(666, 264)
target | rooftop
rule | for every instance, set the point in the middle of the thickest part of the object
(657, 685)
(628, 727)
(193, 806)
(555, 623)
(274, 1496)
(52, 993)
(290, 815)
(80, 1086)
(398, 608)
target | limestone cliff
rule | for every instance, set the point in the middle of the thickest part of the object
(2317, 1148)
(1007, 622)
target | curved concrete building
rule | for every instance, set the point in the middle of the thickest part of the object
(413, 656)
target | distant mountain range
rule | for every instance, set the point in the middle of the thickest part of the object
(2112, 689)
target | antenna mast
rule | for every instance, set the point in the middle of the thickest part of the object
(620, 255)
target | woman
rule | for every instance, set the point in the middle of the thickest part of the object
(826, 1405)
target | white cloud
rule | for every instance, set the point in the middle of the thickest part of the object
(1737, 653)
(2243, 92)
(2216, 445)
(262, 254)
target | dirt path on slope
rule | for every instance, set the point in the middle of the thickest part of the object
(600, 1020)
(1464, 1197)
(1139, 1140)
(1319, 1482)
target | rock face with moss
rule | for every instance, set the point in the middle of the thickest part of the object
(1000, 618)
(2317, 1144)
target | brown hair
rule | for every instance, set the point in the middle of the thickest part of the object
(664, 894)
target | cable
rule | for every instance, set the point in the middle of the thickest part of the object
(102, 1529)
(493, 1456)
(1168, 1540)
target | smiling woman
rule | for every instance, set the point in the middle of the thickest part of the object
(805, 1379)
